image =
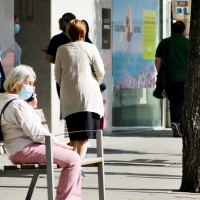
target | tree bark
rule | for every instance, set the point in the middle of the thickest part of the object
(191, 112)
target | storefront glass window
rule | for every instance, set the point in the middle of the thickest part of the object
(135, 34)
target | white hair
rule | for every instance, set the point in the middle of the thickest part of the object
(17, 76)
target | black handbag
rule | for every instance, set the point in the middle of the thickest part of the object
(159, 91)
(102, 87)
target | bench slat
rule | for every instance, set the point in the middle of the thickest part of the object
(19, 167)
(12, 167)
(43, 166)
(90, 161)
(27, 166)
(84, 162)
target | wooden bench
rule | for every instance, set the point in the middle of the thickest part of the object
(48, 168)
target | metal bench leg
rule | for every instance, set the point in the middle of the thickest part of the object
(32, 186)
(101, 177)
(101, 180)
(50, 170)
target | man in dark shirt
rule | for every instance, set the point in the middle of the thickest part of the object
(59, 40)
(173, 52)
(55, 42)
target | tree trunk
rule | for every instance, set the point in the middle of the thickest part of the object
(191, 110)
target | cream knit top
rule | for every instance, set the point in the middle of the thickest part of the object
(20, 124)
(79, 85)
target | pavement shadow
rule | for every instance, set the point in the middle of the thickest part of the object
(142, 190)
(141, 133)
(120, 151)
(138, 175)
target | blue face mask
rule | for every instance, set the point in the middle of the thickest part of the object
(16, 28)
(26, 92)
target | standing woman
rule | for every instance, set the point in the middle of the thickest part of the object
(81, 102)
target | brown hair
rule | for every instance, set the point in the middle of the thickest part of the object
(87, 28)
(76, 29)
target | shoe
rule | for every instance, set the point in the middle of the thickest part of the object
(176, 129)
(82, 175)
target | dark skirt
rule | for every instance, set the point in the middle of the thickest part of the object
(82, 125)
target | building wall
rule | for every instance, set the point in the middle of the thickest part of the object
(7, 34)
(35, 34)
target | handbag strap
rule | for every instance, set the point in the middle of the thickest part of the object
(88, 57)
(6, 105)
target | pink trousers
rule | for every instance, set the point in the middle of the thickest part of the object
(69, 186)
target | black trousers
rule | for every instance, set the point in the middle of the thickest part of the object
(175, 95)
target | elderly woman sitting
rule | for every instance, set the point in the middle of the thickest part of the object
(24, 135)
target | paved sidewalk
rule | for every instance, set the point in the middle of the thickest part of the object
(142, 165)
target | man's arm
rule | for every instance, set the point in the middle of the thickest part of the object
(50, 50)
(158, 62)
(50, 58)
